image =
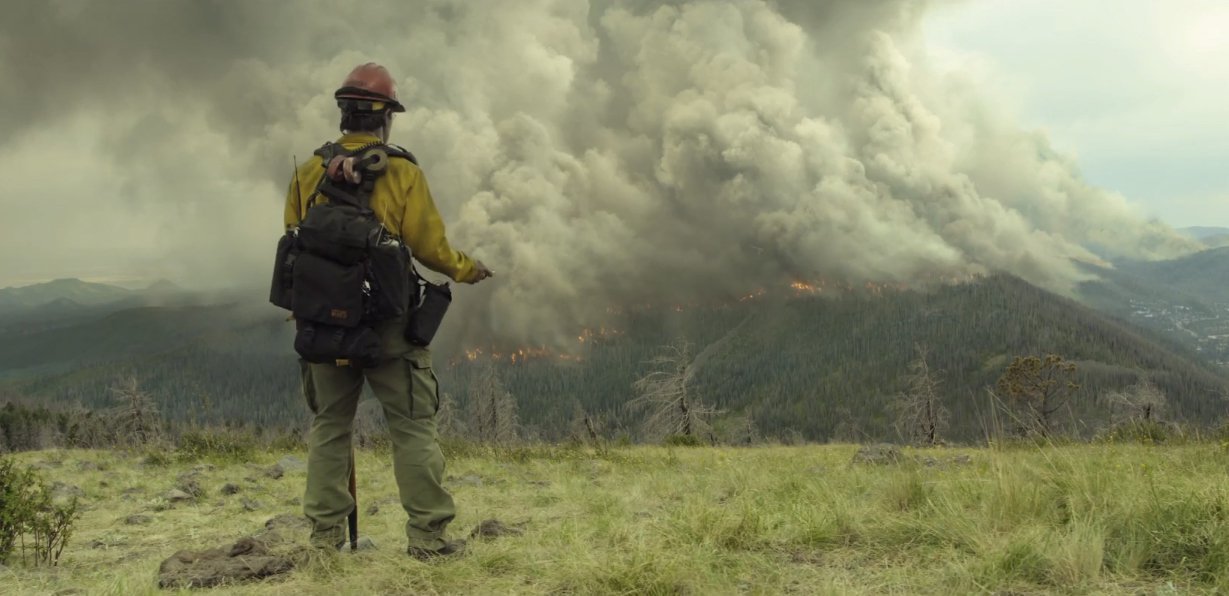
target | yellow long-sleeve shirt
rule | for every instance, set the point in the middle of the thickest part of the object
(401, 200)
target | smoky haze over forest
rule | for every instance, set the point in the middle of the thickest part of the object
(593, 154)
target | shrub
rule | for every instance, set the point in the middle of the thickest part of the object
(683, 441)
(1144, 432)
(30, 518)
(227, 444)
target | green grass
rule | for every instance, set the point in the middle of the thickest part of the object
(1087, 519)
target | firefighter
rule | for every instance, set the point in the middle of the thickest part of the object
(403, 382)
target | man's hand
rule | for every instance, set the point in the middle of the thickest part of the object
(482, 272)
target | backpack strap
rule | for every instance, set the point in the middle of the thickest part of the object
(402, 152)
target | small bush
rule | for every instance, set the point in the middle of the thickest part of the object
(231, 445)
(158, 458)
(289, 440)
(1144, 432)
(683, 441)
(30, 519)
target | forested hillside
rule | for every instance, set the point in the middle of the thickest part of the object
(1185, 299)
(817, 366)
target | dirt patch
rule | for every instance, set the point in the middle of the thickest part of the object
(288, 523)
(138, 520)
(272, 552)
(493, 528)
(249, 559)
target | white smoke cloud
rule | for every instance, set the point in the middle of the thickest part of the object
(594, 154)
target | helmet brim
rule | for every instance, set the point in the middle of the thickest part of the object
(363, 95)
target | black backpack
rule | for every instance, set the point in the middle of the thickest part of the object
(341, 271)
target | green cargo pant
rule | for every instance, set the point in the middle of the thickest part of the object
(408, 391)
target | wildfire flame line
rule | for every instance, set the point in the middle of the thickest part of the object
(589, 336)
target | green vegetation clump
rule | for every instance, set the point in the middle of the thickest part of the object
(1144, 432)
(32, 520)
(218, 444)
(683, 441)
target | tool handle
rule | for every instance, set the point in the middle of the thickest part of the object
(354, 513)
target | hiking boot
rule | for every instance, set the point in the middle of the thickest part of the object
(330, 539)
(450, 549)
(327, 544)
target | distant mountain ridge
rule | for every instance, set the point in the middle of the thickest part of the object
(66, 302)
(68, 289)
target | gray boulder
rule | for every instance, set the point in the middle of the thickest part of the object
(291, 463)
(364, 543)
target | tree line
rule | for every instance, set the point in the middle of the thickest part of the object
(805, 368)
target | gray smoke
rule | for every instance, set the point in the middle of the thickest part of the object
(595, 154)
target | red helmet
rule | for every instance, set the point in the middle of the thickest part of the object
(370, 82)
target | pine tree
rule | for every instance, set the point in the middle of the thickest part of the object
(136, 416)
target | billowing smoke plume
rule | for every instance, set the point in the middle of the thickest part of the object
(593, 153)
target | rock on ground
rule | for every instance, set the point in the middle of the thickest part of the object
(230, 488)
(189, 483)
(467, 480)
(275, 472)
(883, 453)
(493, 528)
(364, 543)
(291, 463)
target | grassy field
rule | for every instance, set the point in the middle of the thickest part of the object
(1112, 519)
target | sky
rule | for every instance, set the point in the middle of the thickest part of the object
(1140, 95)
(603, 153)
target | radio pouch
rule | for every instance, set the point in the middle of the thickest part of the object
(426, 318)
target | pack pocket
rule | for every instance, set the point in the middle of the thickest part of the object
(327, 344)
(280, 293)
(308, 384)
(327, 292)
(339, 232)
(424, 386)
(390, 280)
